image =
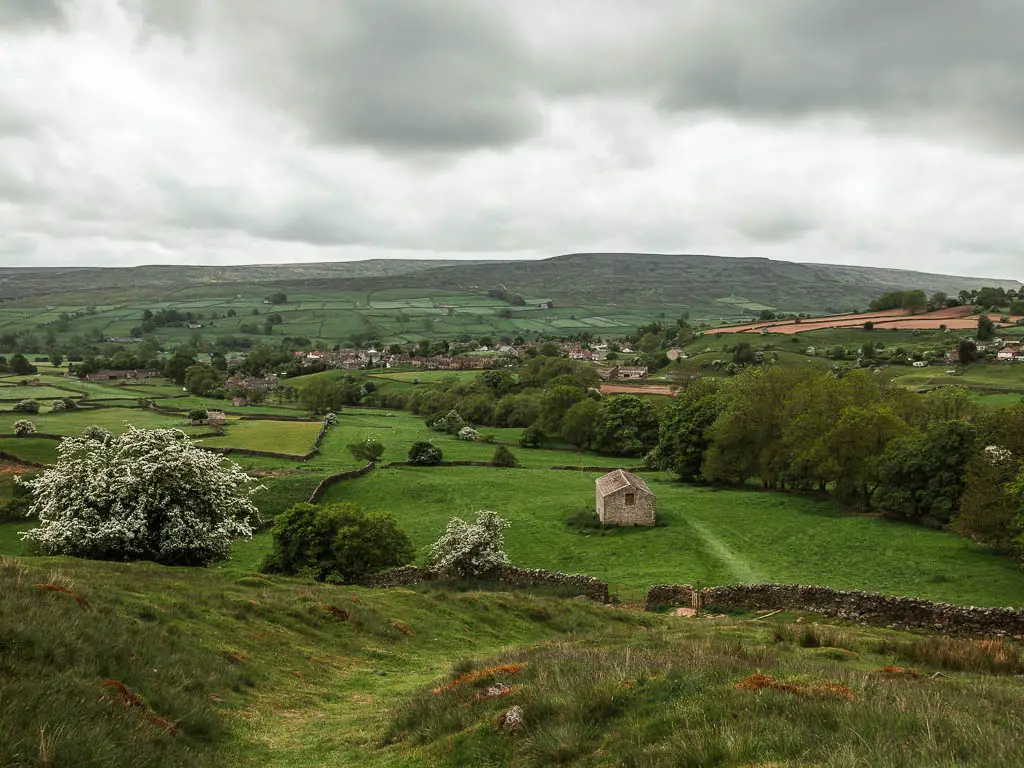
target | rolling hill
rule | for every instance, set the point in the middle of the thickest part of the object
(616, 279)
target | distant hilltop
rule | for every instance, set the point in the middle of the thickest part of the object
(642, 280)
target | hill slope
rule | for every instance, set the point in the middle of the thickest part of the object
(155, 666)
(618, 279)
(641, 279)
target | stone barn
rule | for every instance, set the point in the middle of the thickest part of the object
(624, 499)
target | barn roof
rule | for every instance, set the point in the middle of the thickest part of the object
(617, 480)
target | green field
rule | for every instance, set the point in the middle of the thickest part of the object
(39, 450)
(292, 437)
(114, 419)
(712, 536)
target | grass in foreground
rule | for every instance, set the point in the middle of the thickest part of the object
(117, 664)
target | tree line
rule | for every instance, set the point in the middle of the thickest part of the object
(935, 458)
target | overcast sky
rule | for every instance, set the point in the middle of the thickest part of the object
(874, 132)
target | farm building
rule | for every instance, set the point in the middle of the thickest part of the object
(624, 499)
(633, 372)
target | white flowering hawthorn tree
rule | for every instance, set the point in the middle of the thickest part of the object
(149, 494)
(469, 550)
(468, 433)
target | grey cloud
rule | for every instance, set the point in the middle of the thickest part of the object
(941, 63)
(29, 13)
(395, 74)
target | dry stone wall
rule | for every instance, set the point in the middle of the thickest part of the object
(588, 586)
(866, 607)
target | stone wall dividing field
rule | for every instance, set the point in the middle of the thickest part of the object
(10, 457)
(327, 482)
(865, 607)
(588, 586)
(602, 469)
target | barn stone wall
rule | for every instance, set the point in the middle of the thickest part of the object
(612, 509)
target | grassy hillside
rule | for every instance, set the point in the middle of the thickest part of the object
(402, 301)
(208, 668)
(643, 279)
(708, 535)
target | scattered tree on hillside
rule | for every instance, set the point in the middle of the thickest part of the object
(24, 428)
(503, 457)
(986, 329)
(26, 406)
(143, 495)
(336, 542)
(966, 352)
(579, 426)
(425, 454)
(369, 449)
(470, 550)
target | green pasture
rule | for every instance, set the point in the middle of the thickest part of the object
(16, 393)
(114, 419)
(708, 535)
(36, 449)
(425, 377)
(990, 378)
(291, 437)
(399, 430)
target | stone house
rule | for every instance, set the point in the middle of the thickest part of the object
(624, 499)
(633, 372)
(215, 418)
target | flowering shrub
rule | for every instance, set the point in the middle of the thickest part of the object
(331, 419)
(468, 433)
(23, 427)
(26, 406)
(368, 449)
(96, 432)
(144, 495)
(424, 454)
(64, 404)
(451, 423)
(468, 550)
(336, 542)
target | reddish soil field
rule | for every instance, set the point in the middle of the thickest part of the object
(956, 318)
(625, 389)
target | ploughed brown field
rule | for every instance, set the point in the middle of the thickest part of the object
(625, 389)
(956, 318)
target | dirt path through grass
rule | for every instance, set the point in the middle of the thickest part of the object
(737, 566)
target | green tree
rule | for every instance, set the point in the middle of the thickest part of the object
(627, 425)
(555, 403)
(988, 511)
(336, 542)
(682, 437)
(851, 450)
(424, 454)
(20, 366)
(369, 449)
(503, 457)
(986, 328)
(923, 476)
(317, 396)
(579, 426)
